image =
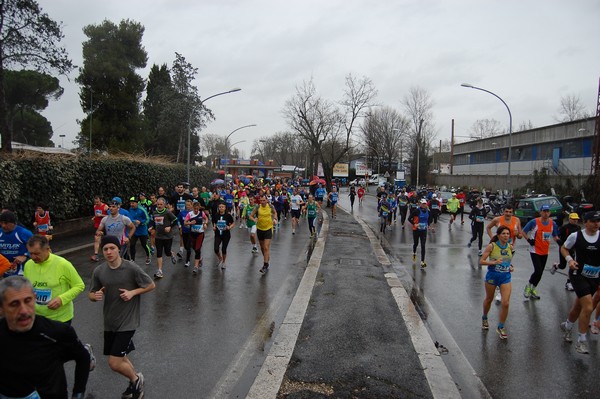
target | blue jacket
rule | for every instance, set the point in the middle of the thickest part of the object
(14, 244)
(139, 214)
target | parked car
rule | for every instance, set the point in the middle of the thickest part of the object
(527, 209)
(358, 182)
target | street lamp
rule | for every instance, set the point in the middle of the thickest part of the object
(508, 183)
(229, 135)
(418, 140)
(62, 137)
(189, 138)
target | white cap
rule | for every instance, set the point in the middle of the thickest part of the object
(423, 201)
(434, 196)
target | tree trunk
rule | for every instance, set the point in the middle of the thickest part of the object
(6, 132)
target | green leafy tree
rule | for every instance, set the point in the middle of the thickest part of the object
(111, 90)
(159, 90)
(28, 37)
(28, 92)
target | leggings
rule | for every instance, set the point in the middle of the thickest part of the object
(185, 238)
(311, 224)
(435, 214)
(222, 240)
(419, 235)
(351, 201)
(539, 263)
(403, 212)
(477, 232)
(196, 241)
(133, 243)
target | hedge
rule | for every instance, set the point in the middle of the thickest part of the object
(67, 185)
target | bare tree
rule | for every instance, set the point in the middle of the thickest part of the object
(213, 145)
(325, 126)
(571, 108)
(383, 132)
(418, 106)
(525, 125)
(483, 128)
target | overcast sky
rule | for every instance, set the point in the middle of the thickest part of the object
(530, 53)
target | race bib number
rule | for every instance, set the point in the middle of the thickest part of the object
(435, 206)
(98, 212)
(384, 214)
(42, 296)
(422, 226)
(221, 224)
(42, 227)
(591, 271)
(159, 220)
(546, 236)
(181, 205)
(196, 228)
(479, 218)
(504, 267)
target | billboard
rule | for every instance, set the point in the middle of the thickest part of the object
(340, 170)
(362, 169)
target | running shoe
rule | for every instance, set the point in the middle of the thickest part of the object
(196, 270)
(223, 266)
(480, 252)
(264, 269)
(554, 268)
(594, 328)
(148, 261)
(173, 259)
(158, 274)
(498, 296)
(240, 226)
(138, 387)
(187, 264)
(485, 325)
(152, 249)
(423, 265)
(469, 244)
(414, 257)
(582, 347)
(254, 250)
(88, 348)
(569, 286)
(180, 255)
(128, 393)
(566, 332)
(293, 231)
(95, 258)
(502, 332)
(527, 291)
(534, 293)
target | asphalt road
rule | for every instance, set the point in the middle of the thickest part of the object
(534, 361)
(201, 336)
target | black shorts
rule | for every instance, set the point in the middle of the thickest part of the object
(584, 286)
(264, 234)
(295, 213)
(118, 343)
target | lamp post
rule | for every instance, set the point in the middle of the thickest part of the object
(62, 138)
(189, 138)
(418, 141)
(229, 135)
(508, 182)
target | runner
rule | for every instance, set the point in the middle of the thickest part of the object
(100, 211)
(584, 272)
(477, 217)
(197, 222)
(296, 204)
(539, 232)
(278, 202)
(498, 257)
(563, 232)
(116, 224)
(140, 218)
(420, 219)
(436, 209)
(162, 224)
(312, 211)
(42, 220)
(55, 281)
(393, 205)
(244, 201)
(265, 217)
(461, 197)
(119, 283)
(13, 242)
(222, 226)
(33, 348)
(361, 193)
(320, 193)
(185, 231)
(383, 209)
(250, 224)
(352, 195)
(178, 200)
(333, 199)
(452, 206)
(403, 206)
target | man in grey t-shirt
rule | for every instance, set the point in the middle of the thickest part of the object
(119, 283)
(115, 224)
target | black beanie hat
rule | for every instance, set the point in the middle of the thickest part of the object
(110, 240)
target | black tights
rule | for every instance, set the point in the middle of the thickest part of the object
(419, 235)
(539, 263)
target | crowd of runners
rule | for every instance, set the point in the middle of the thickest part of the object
(38, 288)
(579, 249)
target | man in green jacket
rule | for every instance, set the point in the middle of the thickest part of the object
(452, 207)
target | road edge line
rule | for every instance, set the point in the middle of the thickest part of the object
(270, 376)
